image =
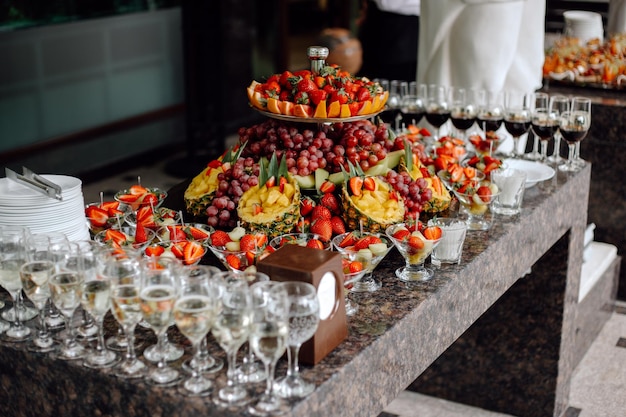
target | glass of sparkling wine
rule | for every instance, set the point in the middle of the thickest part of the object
(304, 317)
(268, 338)
(66, 289)
(125, 276)
(13, 241)
(231, 329)
(35, 276)
(96, 300)
(158, 294)
(194, 314)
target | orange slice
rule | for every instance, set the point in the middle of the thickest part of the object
(273, 105)
(334, 109)
(379, 101)
(366, 107)
(302, 110)
(345, 111)
(256, 99)
(320, 110)
(286, 107)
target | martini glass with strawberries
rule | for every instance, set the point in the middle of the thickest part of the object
(415, 243)
(309, 240)
(367, 248)
(476, 198)
(238, 250)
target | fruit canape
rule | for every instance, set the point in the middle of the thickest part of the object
(137, 237)
(483, 163)
(476, 198)
(309, 240)
(353, 272)
(415, 243)
(487, 145)
(458, 177)
(152, 217)
(189, 252)
(104, 215)
(183, 232)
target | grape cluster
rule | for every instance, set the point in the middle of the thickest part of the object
(415, 193)
(233, 182)
(330, 147)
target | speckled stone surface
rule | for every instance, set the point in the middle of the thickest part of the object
(605, 148)
(397, 334)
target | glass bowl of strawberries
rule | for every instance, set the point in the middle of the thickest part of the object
(309, 240)
(139, 196)
(137, 238)
(415, 242)
(239, 250)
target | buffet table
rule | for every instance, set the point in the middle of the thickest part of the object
(495, 331)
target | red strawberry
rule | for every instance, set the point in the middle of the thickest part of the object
(432, 232)
(97, 216)
(193, 251)
(127, 198)
(331, 202)
(115, 236)
(324, 228)
(327, 187)
(355, 266)
(197, 233)
(260, 239)
(141, 236)
(154, 250)
(137, 189)
(220, 238)
(315, 244)
(369, 183)
(401, 234)
(233, 261)
(416, 242)
(149, 199)
(348, 240)
(306, 205)
(321, 212)
(339, 227)
(281, 183)
(177, 234)
(178, 250)
(363, 243)
(356, 185)
(484, 193)
(145, 216)
(247, 243)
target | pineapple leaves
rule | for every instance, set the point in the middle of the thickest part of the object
(232, 154)
(270, 172)
(408, 155)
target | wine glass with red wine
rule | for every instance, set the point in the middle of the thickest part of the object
(437, 107)
(574, 126)
(517, 117)
(391, 113)
(464, 108)
(544, 122)
(413, 105)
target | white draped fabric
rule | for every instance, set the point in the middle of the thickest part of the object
(491, 44)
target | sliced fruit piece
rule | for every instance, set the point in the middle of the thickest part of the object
(320, 110)
(273, 105)
(334, 109)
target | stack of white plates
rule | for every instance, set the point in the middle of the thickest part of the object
(583, 25)
(23, 206)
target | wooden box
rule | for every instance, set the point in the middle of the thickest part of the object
(323, 269)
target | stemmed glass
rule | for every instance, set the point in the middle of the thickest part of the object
(414, 248)
(391, 114)
(125, 276)
(159, 290)
(155, 266)
(202, 361)
(304, 317)
(13, 254)
(574, 126)
(437, 108)
(268, 337)
(66, 288)
(412, 105)
(35, 276)
(517, 117)
(96, 301)
(231, 329)
(559, 104)
(194, 314)
(463, 109)
(544, 122)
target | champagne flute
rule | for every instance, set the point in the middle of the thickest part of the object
(517, 117)
(544, 122)
(35, 276)
(268, 337)
(574, 126)
(13, 254)
(158, 293)
(304, 317)
(125, 276)
(202, 361)
(155, 266)
(96, 301)
(194, 314)
(231, 329)
(437, 108)
(66, 289)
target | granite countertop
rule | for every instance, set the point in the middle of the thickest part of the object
(397, 333)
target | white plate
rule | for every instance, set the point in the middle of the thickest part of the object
(535, 171)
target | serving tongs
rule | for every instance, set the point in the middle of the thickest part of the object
(36, 182)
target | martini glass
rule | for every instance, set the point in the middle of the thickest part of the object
(476, 205)
(414, 248)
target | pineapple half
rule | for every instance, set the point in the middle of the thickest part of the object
(374, 207)
(273, 206)
(201, 191)
(441, 198)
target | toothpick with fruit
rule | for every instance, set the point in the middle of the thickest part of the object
(415, 242)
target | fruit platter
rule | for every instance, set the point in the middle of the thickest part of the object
(594, 63)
